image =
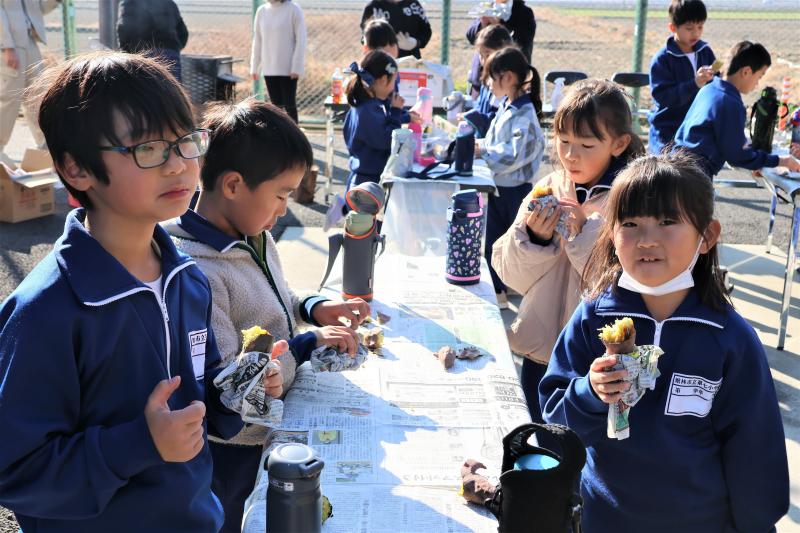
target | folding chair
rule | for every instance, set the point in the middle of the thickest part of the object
(570, 77)
(634, 80)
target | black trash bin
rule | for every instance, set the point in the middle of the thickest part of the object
(209, 78)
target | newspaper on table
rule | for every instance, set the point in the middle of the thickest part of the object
(242, 386)
(395, 433)
(642, 367)
(327, 359)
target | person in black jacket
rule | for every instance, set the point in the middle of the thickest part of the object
(408, 19)
(155, 28)
(521, 24)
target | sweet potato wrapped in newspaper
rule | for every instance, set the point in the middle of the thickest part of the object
(641, 363)
(543, 195)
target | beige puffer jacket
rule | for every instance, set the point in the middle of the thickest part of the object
(548, 277)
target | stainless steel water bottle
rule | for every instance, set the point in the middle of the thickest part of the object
(464, 149)
(361, 241)
(464, 233)
(294, 499)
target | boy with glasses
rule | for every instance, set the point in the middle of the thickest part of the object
(107, 356)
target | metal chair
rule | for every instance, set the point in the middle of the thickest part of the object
(634, 80)
(570, 77)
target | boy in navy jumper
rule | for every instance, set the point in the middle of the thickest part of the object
(714, 126)
(678, 71)
(106, 351)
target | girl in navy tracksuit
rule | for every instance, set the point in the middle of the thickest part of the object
(369, 123)
(707, 442)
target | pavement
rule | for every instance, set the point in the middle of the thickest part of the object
(758, 277)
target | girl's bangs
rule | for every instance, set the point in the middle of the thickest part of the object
(655, 195)
(582, 116)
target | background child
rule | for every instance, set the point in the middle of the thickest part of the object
(379, 35)
(513, 146)
(594, 140)
(678, 71)
(489, 40)
(279, 51)
(369, 123)
(714, 126)
(257, 156)
(712, 459)
(106, 349)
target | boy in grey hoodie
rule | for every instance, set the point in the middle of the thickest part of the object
(256, 157)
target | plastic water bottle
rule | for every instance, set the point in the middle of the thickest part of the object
(337, 86)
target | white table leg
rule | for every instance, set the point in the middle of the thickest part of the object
(791, 256)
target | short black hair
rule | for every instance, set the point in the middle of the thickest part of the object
(378, 33)
(683, 11)
(747, 54)
(494, 37)
(81, 96)
(256, 139)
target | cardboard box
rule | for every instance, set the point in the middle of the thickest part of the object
(30, 195)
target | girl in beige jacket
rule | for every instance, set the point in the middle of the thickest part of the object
(594, 140)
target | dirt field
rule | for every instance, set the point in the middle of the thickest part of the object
(598, 46)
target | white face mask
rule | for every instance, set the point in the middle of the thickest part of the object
(684, 280)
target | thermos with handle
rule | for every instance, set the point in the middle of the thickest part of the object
(464, 233)
(361, 242)
(294, 498)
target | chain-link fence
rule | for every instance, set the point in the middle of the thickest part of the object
(595, 36)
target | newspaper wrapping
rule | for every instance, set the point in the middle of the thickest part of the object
(242, 386)
(551, 202)
(327, 359)
(642, 367)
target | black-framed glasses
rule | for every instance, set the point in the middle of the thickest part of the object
(152, 154)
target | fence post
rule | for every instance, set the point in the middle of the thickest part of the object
(445, 54)
(638, 45)
(258, 83)
(68, 27)
(107, 21)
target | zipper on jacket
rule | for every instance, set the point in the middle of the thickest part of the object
(660, 325)
(262, 263)
(161, 303)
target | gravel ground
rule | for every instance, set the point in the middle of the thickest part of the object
(743, 213)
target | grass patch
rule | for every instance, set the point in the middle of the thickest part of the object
(662, 14)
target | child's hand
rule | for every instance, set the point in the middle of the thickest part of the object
(273, 381)
(488, 21)
(576, 219)
(415, 117)
(704, 75)
(608, 385)
(789, 162)
(329, 313)
(178, 435)
(477, 149)
(795, 150)
(294, 75)
(541, 225)
(398, 101)
(342, 338)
